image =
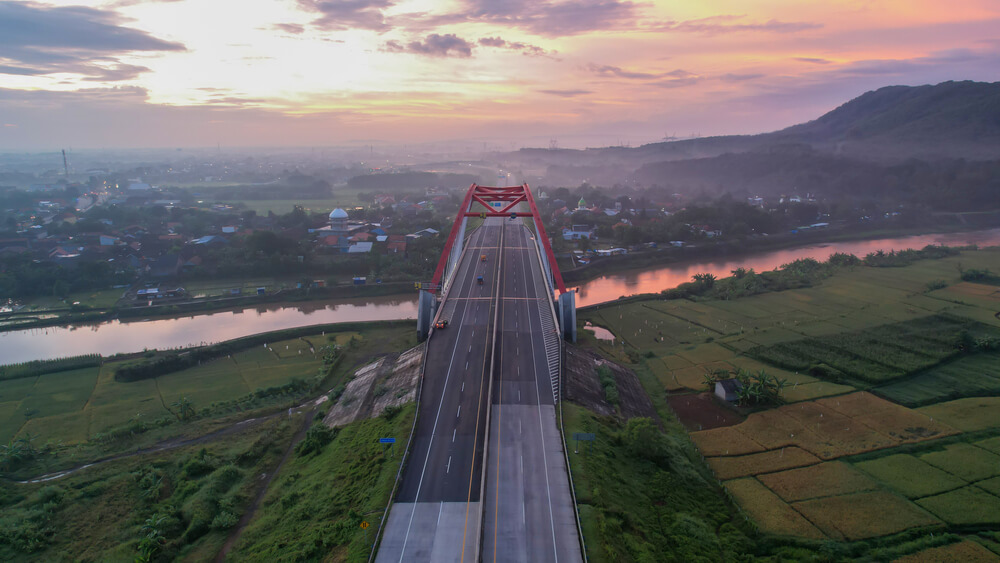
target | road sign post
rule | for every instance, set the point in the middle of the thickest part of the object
(388, 443)
(583, 437)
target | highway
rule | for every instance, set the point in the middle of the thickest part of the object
(436, 513)
(528, 509)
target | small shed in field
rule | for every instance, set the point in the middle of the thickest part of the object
(728, 389)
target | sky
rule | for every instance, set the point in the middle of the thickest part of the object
(185, 73)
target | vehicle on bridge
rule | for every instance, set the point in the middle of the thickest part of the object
(482, 258)
(441, 323)
(480, 280)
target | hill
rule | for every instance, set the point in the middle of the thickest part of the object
(895, 123)
(959, 119)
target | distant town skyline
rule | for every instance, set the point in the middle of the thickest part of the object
(184, 73)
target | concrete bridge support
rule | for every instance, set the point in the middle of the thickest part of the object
(426, 308)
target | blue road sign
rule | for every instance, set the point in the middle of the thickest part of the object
(387, 440)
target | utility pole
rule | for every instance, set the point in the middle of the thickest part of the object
(65, 165)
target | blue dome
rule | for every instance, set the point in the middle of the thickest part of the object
(338, 213)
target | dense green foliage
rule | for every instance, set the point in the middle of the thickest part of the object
(158, 507)
(645, 496)
(39, 367)
(315, 505)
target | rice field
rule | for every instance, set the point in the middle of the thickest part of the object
(74, 406)
(976, 375)
(966, 506)
(807, 468)
(864, 515)
(967, 551)
(769, 512)
(910, 476)
(968, 415)
(822, 480)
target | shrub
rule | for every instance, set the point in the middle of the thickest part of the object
(224, 520)
(316, 438)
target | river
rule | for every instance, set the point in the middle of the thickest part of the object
(631, 282)
(115, 336)
(112, 337)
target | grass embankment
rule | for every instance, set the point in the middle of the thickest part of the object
(315, 505)
(183, 502)
(77, 416)
(841, 469)
(176, 505)
(644, 495)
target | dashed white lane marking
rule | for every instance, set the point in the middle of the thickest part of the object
(447, 468)
(453, 432)
(459, 413)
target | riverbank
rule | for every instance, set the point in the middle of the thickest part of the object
(619, 265)
(729, 248)
(172, 308)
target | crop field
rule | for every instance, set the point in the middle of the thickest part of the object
(969, 376)
(835, 462)
(910, 476)
(825, 479)
(731, 467)
(878, 354)
(825, 428)
(967, 551)
(863, 515)
(872, 325)
(965, 461)
(968, 415)
(966, 506)
(768, 511)
(74, 406)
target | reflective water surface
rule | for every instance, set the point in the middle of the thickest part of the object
(112, 337)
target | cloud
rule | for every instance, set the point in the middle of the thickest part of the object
(566, 93)
(434, 45)
(731, 77)
(338, 15)
(677, 82)
(618, 72)
(127, 3)
(547, 18)
(523, 48)
(734, 24)
(812, 60)
(293, 28)
(37, 39)
(609, 71)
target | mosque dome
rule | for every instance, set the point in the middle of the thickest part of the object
(338, 213)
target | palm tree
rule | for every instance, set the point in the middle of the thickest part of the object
(152, 538)
(708, 280)
(184, 407)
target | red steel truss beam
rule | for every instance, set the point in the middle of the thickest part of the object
(439, 271)
(510, 197)
(556, 274)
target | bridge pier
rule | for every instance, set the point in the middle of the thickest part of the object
(566, 309)
(426, 308)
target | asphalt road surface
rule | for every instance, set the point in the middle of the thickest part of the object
(528, 510)
(435, 516)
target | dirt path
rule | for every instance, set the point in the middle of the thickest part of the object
(159, 447)
(180, 442)
(252, 509)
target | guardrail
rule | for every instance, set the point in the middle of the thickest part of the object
(562, 426)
